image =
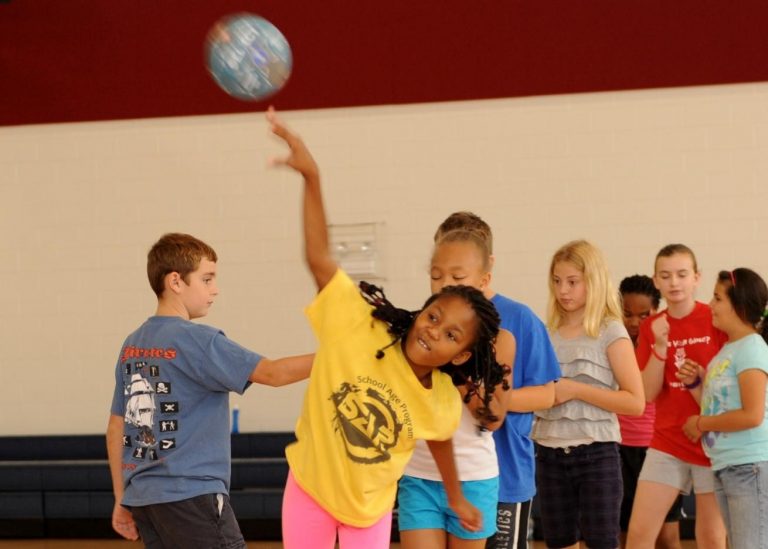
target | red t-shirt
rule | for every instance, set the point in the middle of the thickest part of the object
(693, 337)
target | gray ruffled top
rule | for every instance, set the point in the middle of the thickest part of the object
(582, 359)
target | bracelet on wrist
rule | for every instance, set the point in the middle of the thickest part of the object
(693, 385)
(657, 355)
(698, 428)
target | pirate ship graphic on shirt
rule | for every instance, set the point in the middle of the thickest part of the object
(140, 409)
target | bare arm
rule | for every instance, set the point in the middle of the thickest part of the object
(653, 373)
(752, 386)
(532, 398)
(628, 399)
(316, 249)
(691, 373)
(653, 378)
(122, 520)
(469, 516)
(282, 371)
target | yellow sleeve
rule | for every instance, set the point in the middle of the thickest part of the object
(337, 307)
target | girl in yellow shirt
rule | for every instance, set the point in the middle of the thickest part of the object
(376, 387)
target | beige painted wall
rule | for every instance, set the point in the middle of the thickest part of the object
(82, 203)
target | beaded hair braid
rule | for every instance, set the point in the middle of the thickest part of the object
(480, 374)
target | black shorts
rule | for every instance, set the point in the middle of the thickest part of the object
(580, 492)
(632, 458)
(201, 522)
(511, 526)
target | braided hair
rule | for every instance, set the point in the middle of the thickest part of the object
(481, 373)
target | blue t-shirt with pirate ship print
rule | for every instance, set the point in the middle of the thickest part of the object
(172, 385)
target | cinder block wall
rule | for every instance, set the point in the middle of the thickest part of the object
(82, 203)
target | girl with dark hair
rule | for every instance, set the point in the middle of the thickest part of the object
(640, 299)
(732, 425)
(377, 385)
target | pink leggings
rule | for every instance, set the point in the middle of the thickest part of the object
(306, 524)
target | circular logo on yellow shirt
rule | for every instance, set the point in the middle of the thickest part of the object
(367, 423)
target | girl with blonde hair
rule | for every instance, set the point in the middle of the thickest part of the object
(578, 471)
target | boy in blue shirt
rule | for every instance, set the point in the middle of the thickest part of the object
(168, 436)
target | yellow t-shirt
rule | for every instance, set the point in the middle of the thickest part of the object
(361, 416)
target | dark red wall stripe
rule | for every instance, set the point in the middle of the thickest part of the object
(76, 60)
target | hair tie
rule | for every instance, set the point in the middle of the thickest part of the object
(380, 352)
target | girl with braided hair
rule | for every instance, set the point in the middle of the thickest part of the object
(480, 370)
(376, 387)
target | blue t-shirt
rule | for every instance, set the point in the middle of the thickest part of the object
(172, 385)
(721, 394)
(535, 364)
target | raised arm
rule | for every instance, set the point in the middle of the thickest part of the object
(656, 352)
(316, 249)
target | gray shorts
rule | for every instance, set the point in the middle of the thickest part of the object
(666, 469)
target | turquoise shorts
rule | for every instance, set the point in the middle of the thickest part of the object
(422, 504)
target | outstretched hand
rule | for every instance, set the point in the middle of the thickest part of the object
(317, 251)
(123, 524)
(299, 157)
